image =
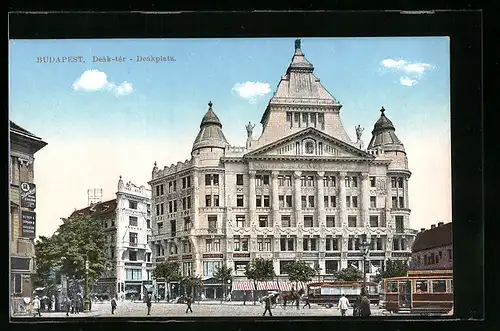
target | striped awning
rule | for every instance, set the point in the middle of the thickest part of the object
(242, 286)
(267, 286)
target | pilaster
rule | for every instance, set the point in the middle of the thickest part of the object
(320, 198)
(251, 198)
(297, 194)
(275, 199)
(365, 199)
(342, 199)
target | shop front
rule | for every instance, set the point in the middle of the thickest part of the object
(133, 290)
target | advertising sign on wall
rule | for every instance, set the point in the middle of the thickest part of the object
(28, 195)
(28, 224)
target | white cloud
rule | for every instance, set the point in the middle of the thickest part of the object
(95, 80)
(413, 71)
(406, 81)
(251, 90)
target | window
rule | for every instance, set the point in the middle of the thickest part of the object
(287, 180)
(239, 179)
(331, 266)
(175, 206)
(188, 181)
(133, 274)
(261, 180)
(310, 201)
(187, 224)
(351, 221)
(212, 223)
(394, 202)
(399, 224)
(210, 266)
(353, 244)
(421, 286)
(216, 201)
(320, 148)
(304, 201)
(240, 221)
(373, 221)
(308, 221)
(333, 201)
(281, 201)
(287, 244)
(372, 181)
(132, 255)
(184, 182)
(263, 221)
(285, 221)
(310, 244)
(133, 238)
(160, 227)
(263, 244)
(211, 179)
(148, 224)
(170, 207)
(244, 244)
(309, 147)
(296, 117)
(348, 201)
(162, 189)
(373, 202)
(355, 202)
(132, 221)
(157, 190)
(288, 116)
(354, 182)
(260, 244)
(400, 182)
(237, 244)
(266, 200)
(330, 221)
(288, 201)
(173, 227)
(305, 118)
(184, 202)
(188, 202)
(208, 180)
(132, 204)
(267, 244)
(401, 202)
(208, 200)
(326, 201)
(393, 182)
(332, 244)
(392, 287)
(212, 245)
(376, 244)
(187, 268)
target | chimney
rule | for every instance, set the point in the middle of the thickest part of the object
(422, 229)
(433, 226)
(440, 223)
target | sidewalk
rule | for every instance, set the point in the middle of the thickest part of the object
(51, 314)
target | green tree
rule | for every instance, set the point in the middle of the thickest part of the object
(396, 268)
(349, 274)
(299, 271)
(75, 241)
(191, 284)
(259, 270)
(168, 270)
(223, 274)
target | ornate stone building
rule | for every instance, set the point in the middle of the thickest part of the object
(23, 146)
(127, 227)
(302, 190)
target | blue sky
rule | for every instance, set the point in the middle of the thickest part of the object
(163, 103)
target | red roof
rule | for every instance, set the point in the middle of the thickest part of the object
(98, 209)
(433, 238)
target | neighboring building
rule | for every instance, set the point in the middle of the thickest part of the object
(127, 224)
(432, 248)
(302, 190)
(23, 146)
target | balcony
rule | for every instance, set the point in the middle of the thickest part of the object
(209, 231)
(134, 244)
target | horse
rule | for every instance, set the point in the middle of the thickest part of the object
(291, 296)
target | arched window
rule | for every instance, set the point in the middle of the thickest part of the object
(309, 147)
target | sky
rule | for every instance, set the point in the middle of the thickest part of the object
(106, 119)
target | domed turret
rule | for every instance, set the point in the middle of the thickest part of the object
(384, 134)
(210, 134)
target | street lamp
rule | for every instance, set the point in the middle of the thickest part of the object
(228, 286)
(364, 248)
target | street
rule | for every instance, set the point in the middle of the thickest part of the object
(206, 308)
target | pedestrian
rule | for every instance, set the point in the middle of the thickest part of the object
(67, 305)
(148, 303)
(267, 302)
(343, 304)
(113, 305)
(285, 299)
(365, 305)
(36, 307)
(188, 303)
(244, 298)
(307, 303)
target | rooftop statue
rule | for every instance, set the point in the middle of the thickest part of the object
(359, 132)
(249, 128)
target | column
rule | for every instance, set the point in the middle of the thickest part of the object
(251, 198)
(274, 197)
(320, 198)
(343, 257)
(405, 185)
(341, 199)
(297, 194)
(388, 203)
(365, 199)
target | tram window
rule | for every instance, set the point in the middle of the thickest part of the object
(450, 286)
(421, 286)
(439, 286)
(392, 286)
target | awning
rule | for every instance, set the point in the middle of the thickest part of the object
(267, 286)
(243, 286)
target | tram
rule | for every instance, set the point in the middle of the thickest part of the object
(328, 293)
(421, 291)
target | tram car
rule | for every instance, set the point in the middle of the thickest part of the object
(328, 293)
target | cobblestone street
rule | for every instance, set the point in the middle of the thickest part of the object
(208, 309)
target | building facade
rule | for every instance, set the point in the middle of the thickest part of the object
(23, 146)
(302, 190)
(432, 248)
(127, 224)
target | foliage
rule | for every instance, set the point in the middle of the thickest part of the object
(77, 240)
(299, 271)
(168, 270)
(391, 268)
(349, 274)
(259, 270)
(191, 283)
(223, 274)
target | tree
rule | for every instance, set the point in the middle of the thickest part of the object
(75, 241)
(259, 270)
(396, 268)
(349, 274)
(223, 274)
(168, 270)
(299, 271)
(191, 284)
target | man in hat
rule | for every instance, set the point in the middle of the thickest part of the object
(36, 306)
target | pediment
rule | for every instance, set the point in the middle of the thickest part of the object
(310, 142)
